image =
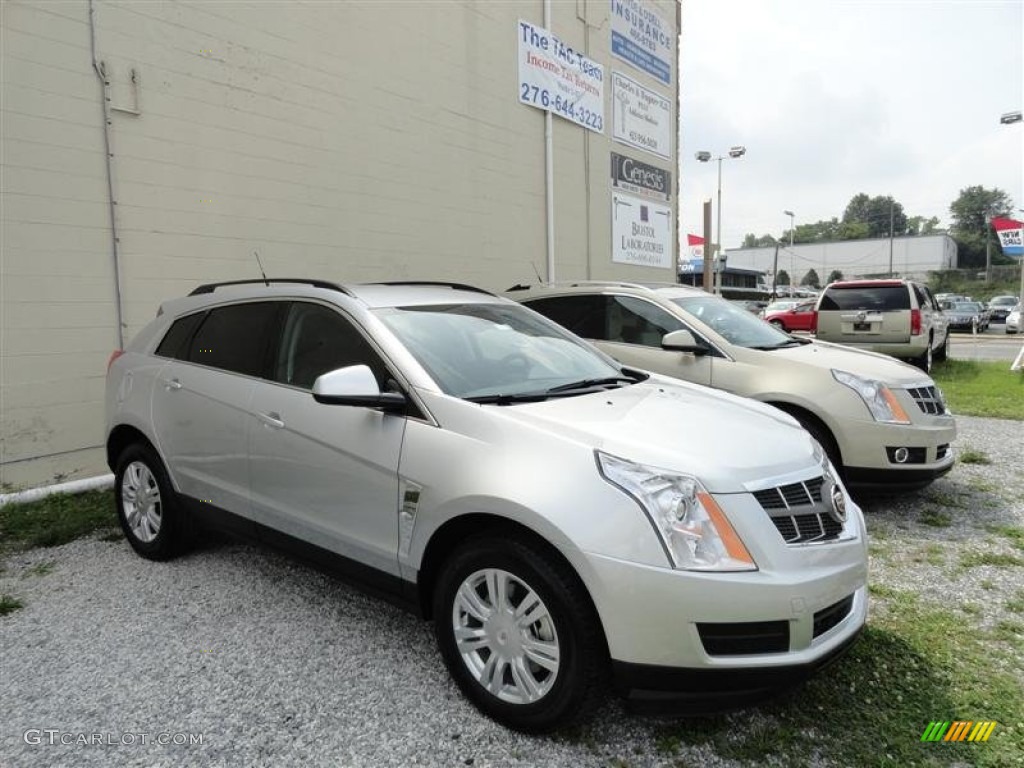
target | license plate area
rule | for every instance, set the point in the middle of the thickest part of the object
(862, 326)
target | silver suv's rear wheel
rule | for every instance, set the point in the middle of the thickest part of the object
(151, 515)
(518, 633)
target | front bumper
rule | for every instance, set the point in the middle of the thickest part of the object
(868, 449)
(648, 687)
(693, 629)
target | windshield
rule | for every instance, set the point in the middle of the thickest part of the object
(736, 325)
(479, 350)
(967, 306)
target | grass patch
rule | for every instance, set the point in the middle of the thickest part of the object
(40, 569)
(56, 520)
(1016, 603)
(972, 456)
(9, 604)
(977, 388)
(935, 518)
(913, 664)
(997, 559)
(1009, 631)
(1014, 533)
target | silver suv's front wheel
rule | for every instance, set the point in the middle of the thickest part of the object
(518, 633)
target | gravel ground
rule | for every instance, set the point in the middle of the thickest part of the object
(274, 664)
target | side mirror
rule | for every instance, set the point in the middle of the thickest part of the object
(355, 385)
(682, 341)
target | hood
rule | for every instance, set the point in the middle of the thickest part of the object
(821, 354)
(723, 440)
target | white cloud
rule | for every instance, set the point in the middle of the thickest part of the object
(834, 98)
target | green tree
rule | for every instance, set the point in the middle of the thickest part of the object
(753, 241)
(782, 278)
(879, 215)
(919, 225)
(834, 275)
(811, 279)
(970, 213)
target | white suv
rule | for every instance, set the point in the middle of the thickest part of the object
(563, 520)
(894, 317)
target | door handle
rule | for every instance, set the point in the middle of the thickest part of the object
(170, 384)
(272, 419)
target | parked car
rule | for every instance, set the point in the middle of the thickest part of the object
(1000, 307)
(563, 519)
(895, 317)
(1013, 320)
(796, 318)
(966, 316)
(883, 423)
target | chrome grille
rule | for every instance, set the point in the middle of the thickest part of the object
(928, 399)
(798, 512)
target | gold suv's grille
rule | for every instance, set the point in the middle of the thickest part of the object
(928, 399)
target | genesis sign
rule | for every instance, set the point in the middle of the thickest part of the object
(640, 178)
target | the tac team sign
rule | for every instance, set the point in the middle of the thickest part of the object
(643, 37)
(558, 79)
(641, 118)
(641, 232)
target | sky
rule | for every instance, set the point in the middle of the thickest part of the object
(832, 98)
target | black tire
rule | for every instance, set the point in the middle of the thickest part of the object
(577, 685)
(821, 433)
(171, 534)
(942, 353)
(778, 324)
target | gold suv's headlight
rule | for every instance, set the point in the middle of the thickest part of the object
(879, 399)
(692, 527)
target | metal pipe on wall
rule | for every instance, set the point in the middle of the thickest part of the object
(108, 158)
(549, 169)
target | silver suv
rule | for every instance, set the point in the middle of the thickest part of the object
(895, 317)
(565, 521)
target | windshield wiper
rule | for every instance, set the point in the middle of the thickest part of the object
(783, 344)
(508, 399)
(592, 383)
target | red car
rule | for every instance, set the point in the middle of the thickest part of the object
(798, 318)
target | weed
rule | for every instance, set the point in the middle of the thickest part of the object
(972, 456)
(56, 519)
(935, 518)
(9, 604)
(997, 559)
(41, 569)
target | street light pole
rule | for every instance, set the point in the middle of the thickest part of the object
(704, 156)
(792, 228)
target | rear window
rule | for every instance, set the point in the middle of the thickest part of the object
(873, 297)
(235, 338)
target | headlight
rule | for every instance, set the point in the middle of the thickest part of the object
(692, 527)
(876, 396)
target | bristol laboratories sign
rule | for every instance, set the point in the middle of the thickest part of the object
(643, 37)
(631, 175)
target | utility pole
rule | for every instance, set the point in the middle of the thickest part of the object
(706, 284)
(988, 247)
(775, 271)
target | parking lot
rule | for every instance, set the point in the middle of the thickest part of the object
(271, 663)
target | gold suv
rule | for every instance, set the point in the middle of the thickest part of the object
(883, 423)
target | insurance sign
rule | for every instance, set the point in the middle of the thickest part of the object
(643, 37)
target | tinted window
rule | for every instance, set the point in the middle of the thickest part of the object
(583, 315)
(875, 297)
(235, 338)
(317, 340)
(173, 344)
(922, 302)
(635, 321)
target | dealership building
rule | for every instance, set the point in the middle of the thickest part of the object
(151, 147)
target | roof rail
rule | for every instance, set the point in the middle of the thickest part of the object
(617, 283)
(211, 287)
(436, 283)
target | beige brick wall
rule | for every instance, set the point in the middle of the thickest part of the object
(343, 140)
